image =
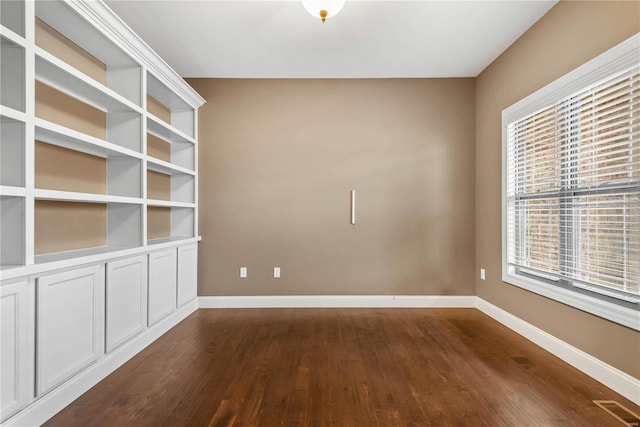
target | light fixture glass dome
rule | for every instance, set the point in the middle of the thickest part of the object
(323, 9)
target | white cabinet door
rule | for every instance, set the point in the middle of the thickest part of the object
(14, 314)
(187, 273)
(70, 333)
(126, 299)
(162, 284)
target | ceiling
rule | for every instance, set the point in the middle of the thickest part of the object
(367, 39)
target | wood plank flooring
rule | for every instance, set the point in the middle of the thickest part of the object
(342, 367)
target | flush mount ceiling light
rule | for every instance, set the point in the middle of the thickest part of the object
(323, 9)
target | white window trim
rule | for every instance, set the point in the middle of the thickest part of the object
(617, 59)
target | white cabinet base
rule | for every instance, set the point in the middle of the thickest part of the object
(16, 358)
(70, 331)
(126, 304)
(162, 284)
(187, 273)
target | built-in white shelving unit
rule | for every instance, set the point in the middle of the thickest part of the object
(98, 182)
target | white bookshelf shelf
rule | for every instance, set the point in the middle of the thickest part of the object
(60, 260)
(169, 204)
(79, 253)
(70, 196)
(10, 113)
(167, 168)
(163, 130)
(7, 269)
(164, 240)
(56, 73)
(62, 136)
(12, 36)
(7, 190)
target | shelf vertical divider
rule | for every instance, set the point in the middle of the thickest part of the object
(29, 133)
(143, 180)
(195, 168)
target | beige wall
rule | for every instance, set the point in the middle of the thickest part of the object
(52, 171)
(279, 157)
(64, 226)
(158, 222)
(76, 114)
(567, 36)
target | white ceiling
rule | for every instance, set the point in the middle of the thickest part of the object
(367, 39)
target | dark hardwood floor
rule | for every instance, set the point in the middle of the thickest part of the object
(342, 367)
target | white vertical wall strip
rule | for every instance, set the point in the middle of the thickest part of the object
(353, 207)
(29, 132)
(143, 179)
(195, 168)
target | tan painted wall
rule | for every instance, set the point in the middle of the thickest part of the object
(53, 170)
(75, 115)
(158, 185)
(158, 148)
(158, 222)
(279, 157)
(158, 109)
(64, 226)
(567, 36)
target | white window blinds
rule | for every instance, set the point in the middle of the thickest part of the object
(573, 189)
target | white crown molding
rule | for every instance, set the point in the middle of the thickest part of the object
(105, 20)
(338, 301)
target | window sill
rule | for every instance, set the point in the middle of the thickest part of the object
(616, 313)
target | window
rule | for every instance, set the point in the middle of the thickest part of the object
(571, 188)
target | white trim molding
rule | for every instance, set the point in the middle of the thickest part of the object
(615, 379)
(103, 18)
(338, 301)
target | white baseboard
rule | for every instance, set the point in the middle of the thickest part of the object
(611, 377)
(338, 301)
(53, 402)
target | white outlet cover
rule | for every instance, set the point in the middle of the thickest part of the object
(482, 274)
(276, 272)
(243, 272)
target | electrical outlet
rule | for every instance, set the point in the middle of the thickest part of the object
(243, 272)
(482, 274)
(276, 272)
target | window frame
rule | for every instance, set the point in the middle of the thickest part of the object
(621, 57)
